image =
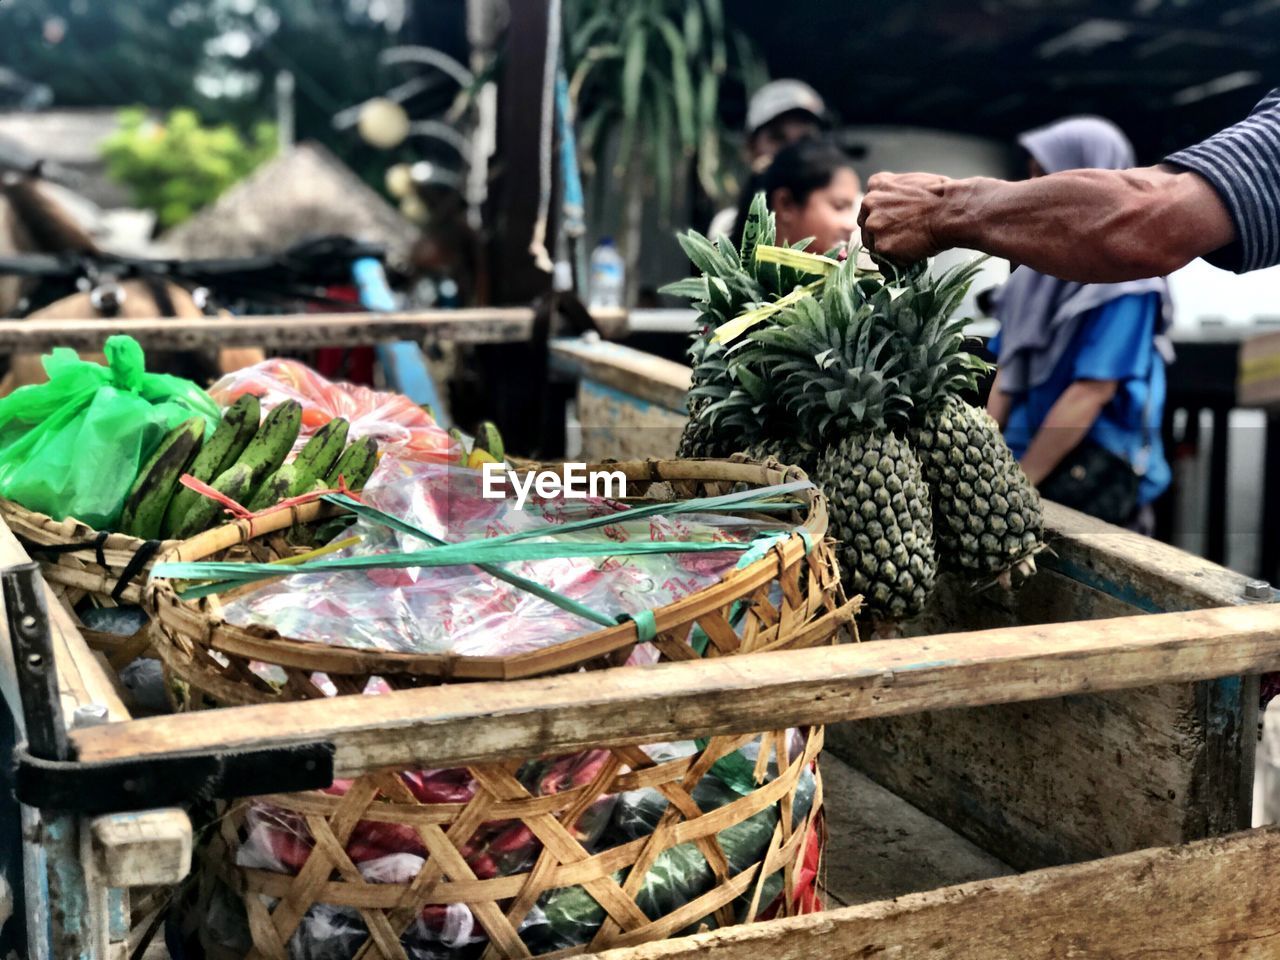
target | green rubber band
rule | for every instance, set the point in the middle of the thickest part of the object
(807, 537)
(745, 500)
(488, 553)
(646, 624)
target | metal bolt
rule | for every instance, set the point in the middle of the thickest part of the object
(89, 715)
(1258, 590)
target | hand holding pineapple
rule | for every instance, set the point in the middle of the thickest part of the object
(858, 380)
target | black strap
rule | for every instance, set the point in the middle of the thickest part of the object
(135, 566)
(53, 549)
(141, 557)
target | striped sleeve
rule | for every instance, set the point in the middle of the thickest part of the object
(1242, 163)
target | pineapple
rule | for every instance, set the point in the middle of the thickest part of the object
(722, 420)
(987, 516)
(831, 377)
(710, 383)
(711, 380)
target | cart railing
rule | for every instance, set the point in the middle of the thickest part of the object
(78, 870)
(274, 331)
(486, 722)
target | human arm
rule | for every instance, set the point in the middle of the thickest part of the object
(1091, 226)
(1068, 422)
(999, 403)
(1219, 199)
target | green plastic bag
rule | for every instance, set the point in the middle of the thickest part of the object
(72, 447)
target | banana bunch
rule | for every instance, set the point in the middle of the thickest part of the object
(244, 460)
(487, 447)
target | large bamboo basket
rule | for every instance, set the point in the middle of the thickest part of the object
(275, 904)
(213, 657)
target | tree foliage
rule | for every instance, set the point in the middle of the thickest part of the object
(653, 73)
(179, 166)
(218, 57)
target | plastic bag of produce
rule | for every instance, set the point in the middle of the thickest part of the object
(72, 447)
(470, 613)
(400, 426)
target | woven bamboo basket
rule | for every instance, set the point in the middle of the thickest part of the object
(323, 897)
(78, 562)
(213, 658)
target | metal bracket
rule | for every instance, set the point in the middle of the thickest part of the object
(119, 786)
(51, 778)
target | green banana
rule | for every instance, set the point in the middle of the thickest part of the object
(275, 438)
(277, 487)
(489, 440)
(236, 482)
(238, 426)
(148, 498)
(313, 462)
(356, 465)
(319, 455)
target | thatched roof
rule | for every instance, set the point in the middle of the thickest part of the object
(304, 193)
(71, 141)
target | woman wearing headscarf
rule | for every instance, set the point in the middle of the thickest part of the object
(1081, 384)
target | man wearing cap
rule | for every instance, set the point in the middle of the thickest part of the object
(779, 114)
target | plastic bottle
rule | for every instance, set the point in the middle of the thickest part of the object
(607, 275)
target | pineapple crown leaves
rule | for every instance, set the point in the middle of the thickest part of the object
(928, 340)
(831, 369)
(725, 287)
(741, 288)
(760, 228)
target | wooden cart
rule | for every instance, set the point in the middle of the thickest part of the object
(1105, 744)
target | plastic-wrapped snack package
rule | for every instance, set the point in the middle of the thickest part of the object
(678, 875)
(385, 851)
(398, 424)
(465, 611)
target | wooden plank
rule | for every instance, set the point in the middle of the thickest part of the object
(293, 331)
(644, 376)
(1046, 783)
(152, 848)
(631, 404)
(1210, 899)
(1067, 780)
(1048, 597)
(83, 677)
(880, 847)
(1151, 576)
(467, 723)
(616, 425)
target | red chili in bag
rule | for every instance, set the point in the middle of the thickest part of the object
(440, 786)
(514, 838)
